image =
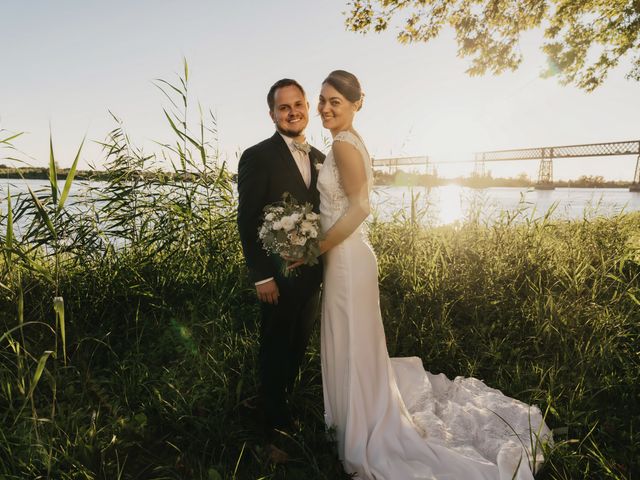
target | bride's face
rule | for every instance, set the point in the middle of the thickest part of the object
(335, 110)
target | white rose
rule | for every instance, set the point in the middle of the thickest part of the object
(297, 239)
(268, 217)
(277, 225)
(306, 226)
(287, 223)
(309, 229)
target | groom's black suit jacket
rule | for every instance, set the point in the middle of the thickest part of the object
(265, 172)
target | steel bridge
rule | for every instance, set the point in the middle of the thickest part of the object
(394, 162)
(546, 155)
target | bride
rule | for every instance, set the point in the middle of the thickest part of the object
(394, 420)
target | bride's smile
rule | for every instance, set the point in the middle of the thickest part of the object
(335, 110)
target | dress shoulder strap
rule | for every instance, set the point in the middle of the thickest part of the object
(353, 139)
(348, 137)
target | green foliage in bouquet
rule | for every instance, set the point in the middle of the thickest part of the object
(291, 230)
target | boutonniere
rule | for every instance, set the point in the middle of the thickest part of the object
(317, 164)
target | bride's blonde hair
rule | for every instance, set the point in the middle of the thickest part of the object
(347, 84)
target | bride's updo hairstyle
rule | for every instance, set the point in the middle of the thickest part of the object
(347, 84)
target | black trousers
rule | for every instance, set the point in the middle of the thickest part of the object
(285, 330)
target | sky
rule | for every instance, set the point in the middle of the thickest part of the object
(67, 64)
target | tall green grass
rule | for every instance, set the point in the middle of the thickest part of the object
(546, 311)
(128, 336)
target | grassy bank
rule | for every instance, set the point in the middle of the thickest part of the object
(161, 349)
(128, 337)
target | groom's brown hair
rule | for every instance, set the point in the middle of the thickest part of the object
(285, 82)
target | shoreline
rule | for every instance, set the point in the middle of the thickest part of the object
(401, 179)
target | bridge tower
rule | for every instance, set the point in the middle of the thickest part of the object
(635, 186)
(545, 172)
(430, 167)
(479, 165)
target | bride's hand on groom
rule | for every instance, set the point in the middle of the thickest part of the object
(293, 262)
(296, 262)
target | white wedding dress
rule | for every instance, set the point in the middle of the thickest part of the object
(392, 419)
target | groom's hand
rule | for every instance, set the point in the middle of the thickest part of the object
(268, 292)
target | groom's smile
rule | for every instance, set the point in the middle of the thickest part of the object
(290, 112)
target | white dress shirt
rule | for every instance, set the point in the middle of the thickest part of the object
(301, 158)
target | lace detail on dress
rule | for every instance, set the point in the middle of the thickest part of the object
(333, 199)
(338, 198)
(354, 140)
(476, 420)
(348, 137)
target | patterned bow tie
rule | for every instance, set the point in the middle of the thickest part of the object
(302, 146)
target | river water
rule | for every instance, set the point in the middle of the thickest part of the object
(451, 203)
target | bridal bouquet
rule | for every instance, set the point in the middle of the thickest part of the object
(291, 230)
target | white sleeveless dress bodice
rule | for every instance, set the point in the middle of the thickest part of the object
(392, 419)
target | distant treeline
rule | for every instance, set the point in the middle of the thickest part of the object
(475, 181)
(399, 178)
(42, 173)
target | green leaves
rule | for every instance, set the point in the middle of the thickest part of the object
(70, 176)
(589, 38)
(7, 140)
(38, 373)
(213, 474)
(53, 180)
(9, 236)
(36, 379)
(42, 213)
(586, 39)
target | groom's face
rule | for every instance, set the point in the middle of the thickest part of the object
(290, 111)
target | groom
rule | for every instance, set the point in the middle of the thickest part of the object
(289, 305)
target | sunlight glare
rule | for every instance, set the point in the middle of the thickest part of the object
(449, 204)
